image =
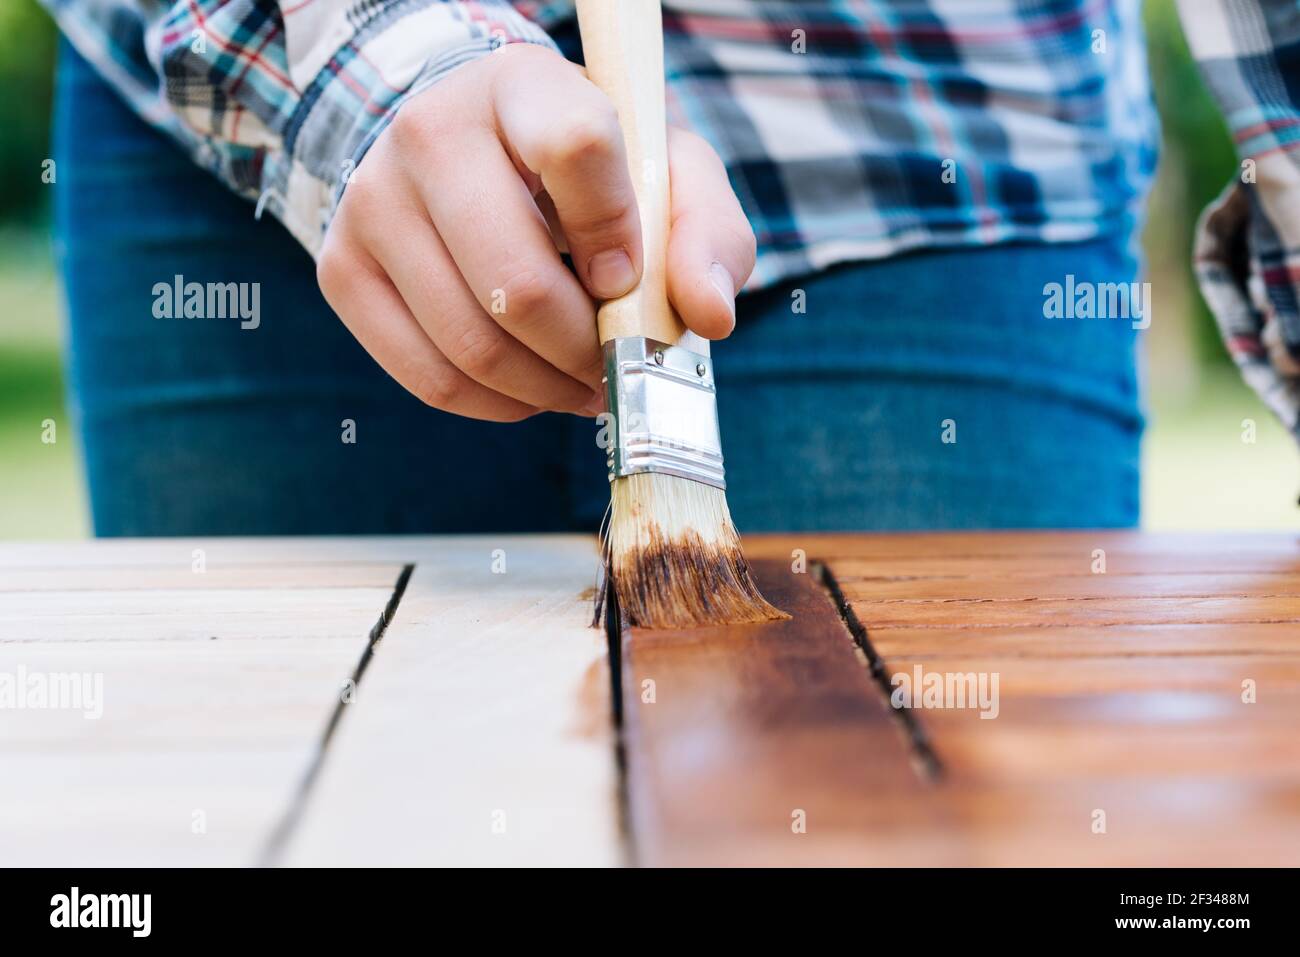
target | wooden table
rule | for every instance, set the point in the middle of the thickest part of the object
(445, 701)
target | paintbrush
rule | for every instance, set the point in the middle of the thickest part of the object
(671, 552)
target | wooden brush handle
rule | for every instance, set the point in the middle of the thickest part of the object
(622, 42)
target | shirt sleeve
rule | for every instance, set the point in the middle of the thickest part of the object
(281, 100)
(1247, 253)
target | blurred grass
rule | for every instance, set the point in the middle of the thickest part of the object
(41, 492)
(27, 44)
(1198, 474)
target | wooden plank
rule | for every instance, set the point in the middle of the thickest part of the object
(1076, 587)
(147, 577)
(43, 615)
(216, 552)
(1209, 549)
(158, 808)
(1119, 692)
(1050, 677)
(1185, 711)
(1088, 754)
(203, 732)
(1084, 641)
(1050, 612)
(1077, 559)
(209, 696)
(199, 749)
(1129, 735)
(733, 733)
(481, 733)
(1180, 821)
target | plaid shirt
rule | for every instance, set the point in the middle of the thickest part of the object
(851, 129)
(1248, 244)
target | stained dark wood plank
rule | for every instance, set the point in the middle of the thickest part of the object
(1161, 695)
(1076, 587)
(1184, 820)
(1283, 610)
(1076, 558)
(1051, 677)
(1083, 641)
(732, 733)
(1206, 551)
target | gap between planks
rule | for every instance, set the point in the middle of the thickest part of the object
(923, 751)
(273, 850)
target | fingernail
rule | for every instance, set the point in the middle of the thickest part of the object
(726, 287)
(611, 273)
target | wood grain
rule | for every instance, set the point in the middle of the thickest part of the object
(491, 694)
(249, 575)
(1028, 588)
(1140, 550)
(1083, 641)
(214, 689)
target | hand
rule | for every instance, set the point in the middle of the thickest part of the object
(440, 261)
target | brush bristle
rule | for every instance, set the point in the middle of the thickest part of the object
(675, 558)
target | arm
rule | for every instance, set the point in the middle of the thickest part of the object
(1248, 243)
(280, 100)
(437, 255)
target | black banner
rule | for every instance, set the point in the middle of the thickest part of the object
(343, 908)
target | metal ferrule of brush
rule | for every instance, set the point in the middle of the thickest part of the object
(664, 411)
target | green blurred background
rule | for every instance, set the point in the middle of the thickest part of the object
(1197, 471)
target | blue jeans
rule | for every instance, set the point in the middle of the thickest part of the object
(839, 416)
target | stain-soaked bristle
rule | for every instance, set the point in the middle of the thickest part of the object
(675, 558)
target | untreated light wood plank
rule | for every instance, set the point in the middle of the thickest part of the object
(226, 551)
(482, 731)
(250, 575)
(45, 615)
(191, 729)
(769, 744)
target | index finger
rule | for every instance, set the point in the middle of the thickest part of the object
(559, 126)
